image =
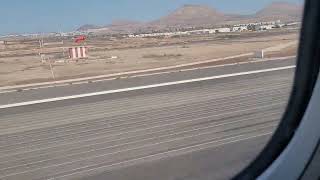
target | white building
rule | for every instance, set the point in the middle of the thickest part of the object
(264, 27)
(179, 33)
(222, 30)
(157, 34)
(239, 28)
(200, 31)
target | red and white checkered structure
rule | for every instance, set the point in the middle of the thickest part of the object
(78, 52)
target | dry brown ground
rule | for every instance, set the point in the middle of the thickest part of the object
(289, 51)
(27, 69)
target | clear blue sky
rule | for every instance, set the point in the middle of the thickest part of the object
(24, 16)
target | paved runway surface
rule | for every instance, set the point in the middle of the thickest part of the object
(201, 130)
(28, 95)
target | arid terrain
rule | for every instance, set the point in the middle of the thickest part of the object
(201, 16)
(21, 63)
(112, 50)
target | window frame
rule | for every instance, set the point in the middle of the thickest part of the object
(305, 79)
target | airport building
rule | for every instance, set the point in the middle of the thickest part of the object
(239, 28)
(264, 27)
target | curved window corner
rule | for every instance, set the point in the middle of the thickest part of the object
(152, 89)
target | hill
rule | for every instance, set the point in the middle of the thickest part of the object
(87, 27)
(203, 16)
(190, 15)
(280, 10)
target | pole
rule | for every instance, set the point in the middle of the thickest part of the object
(51, 69)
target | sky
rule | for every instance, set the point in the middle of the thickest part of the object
(32, 16)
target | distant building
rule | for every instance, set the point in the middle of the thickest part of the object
(222, 30)
(264, 27)
(201, 31)
(180, 33)
(278, 22)
(240, 28)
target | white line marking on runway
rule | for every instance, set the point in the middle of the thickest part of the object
(188, 149)
(143, 87)
(128, 75)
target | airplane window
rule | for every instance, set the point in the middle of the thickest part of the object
(188, 89)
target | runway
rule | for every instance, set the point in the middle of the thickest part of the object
(195, 130)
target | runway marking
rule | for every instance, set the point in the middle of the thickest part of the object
(115, 77)
(30, 126)
(214, 140)
(157, 127)
(143, 87)
(272, 122)
(188, 149)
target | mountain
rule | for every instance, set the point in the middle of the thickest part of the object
(123, 22)
(86, 27)
(117, 26)
(280, 10)
(202, 16)
(190, 15)
(125, 26)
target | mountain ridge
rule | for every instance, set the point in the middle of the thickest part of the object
(197, 15)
